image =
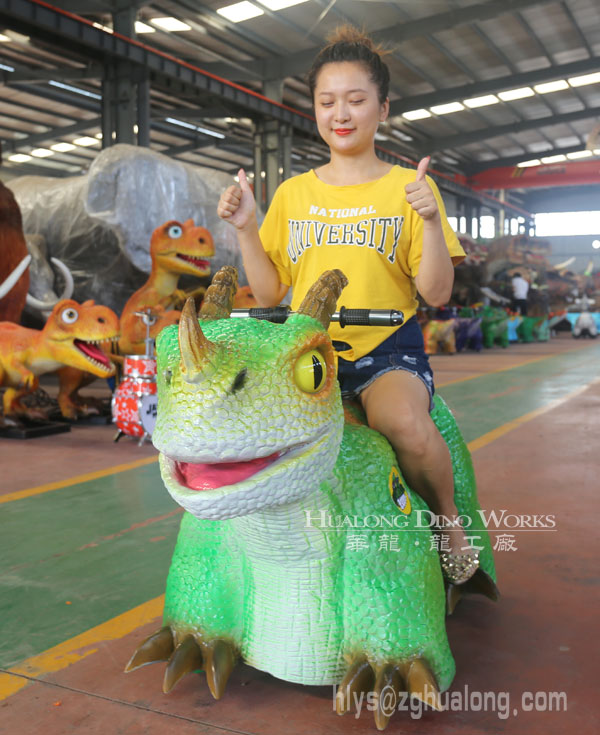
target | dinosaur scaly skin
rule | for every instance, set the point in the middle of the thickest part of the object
(175, 249)
(70, 337)
(254, 445)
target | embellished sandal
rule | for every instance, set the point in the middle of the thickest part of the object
(457, 568)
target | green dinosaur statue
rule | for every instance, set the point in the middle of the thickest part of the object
(302, 551)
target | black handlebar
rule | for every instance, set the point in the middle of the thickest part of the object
(346, 317)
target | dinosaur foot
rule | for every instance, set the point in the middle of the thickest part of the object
(479, 584)
(216, 657)
(386, 684)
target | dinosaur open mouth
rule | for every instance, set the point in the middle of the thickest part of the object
(93, 353)
(198, 262)
(211, 476)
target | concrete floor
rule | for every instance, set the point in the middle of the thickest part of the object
(88, 530)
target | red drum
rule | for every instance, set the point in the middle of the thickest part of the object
(134, 407)
(139, 366)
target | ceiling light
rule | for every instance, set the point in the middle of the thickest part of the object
(401, 135)
(77, 90)
(191, 126)
(63, 147)
(170, 24)
(3, 38)
(417, 114)
(143, 27)
(548, 87)
(516, 94)
(280, 4)
(446, 109)
(19, 158)
(585, 79)
(106, 29)
(596, 244)
(554, 159)
(488, 99)
(85, 141)
(526, 164)
(240, 11)
(98, 135)
(41, 153)
(579, 154)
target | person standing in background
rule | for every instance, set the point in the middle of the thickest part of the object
(520, 289)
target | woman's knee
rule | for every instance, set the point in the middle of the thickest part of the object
(407, 428)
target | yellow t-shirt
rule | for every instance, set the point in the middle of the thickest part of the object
(368, 231)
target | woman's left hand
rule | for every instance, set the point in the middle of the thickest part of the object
(419, 194)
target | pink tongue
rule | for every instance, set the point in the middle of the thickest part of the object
(212, 476)
(92, 351)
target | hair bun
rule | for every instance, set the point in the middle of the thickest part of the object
(347, 33)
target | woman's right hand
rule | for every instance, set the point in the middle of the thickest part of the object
(237, 204)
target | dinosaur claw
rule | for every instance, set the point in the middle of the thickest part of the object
(388, 683)
(157, 647)
(359, 678)
(479, 584)
(185, 658)
(219, 663)
(421, 684)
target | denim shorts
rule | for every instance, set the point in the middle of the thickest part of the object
(402, 350)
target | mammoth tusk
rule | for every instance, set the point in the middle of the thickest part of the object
(6, 285)
(68, 277)
(67, 291)
(194, 347)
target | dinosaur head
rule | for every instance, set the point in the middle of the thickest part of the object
(249, 412)
(74, 332)
(182, 248)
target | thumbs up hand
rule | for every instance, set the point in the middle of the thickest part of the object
(419, 194)
(237, 204)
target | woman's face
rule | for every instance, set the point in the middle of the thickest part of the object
(347, 107)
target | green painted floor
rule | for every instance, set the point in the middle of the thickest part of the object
(78, 556)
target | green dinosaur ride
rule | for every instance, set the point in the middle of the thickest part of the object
(302, 550)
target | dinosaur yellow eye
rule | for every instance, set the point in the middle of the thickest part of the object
(175, 232)
(310, 371)
(69, 316)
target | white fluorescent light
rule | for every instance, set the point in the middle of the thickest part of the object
(5, 67)
(280, 4)
(516, 94)
(446, 109)
(401, 135)
(106, 29)
(554, 159)
(170, 24)
(190, 126)
(579, 154)
(585, 79)
(416, 114)
(143, 27)
(488, 99)
(77, 90)
(41, 153)
(548, 87)
(85, 141)
(63, 147)
(4, 39)
(19, 158)
(526, 164)
(238, 12)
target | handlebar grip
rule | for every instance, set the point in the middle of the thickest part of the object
(276, 314)
(370, 317)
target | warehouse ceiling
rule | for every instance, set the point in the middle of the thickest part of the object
(477, 84)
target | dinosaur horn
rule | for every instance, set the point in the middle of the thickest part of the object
(322, 297)
(218, 299)
(194, 347)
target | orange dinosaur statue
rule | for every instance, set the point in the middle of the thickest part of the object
(70, 337)
(175, 249)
